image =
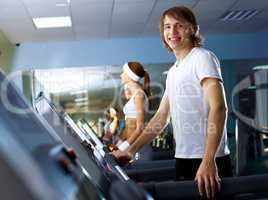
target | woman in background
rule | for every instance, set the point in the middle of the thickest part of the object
(111, 126)
(137, 102)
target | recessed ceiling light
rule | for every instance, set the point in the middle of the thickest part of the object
(61, 4)
(52, 22)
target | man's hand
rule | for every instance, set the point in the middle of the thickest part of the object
(208, 180)
(123, 157)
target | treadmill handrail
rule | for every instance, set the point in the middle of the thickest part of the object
(188, 189)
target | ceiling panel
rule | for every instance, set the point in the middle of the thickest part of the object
(214, 8)
(218, 26)
(56, 33)
(80, 2)
(29, 3)
(263, 14)
(19, 31)
(133, 7)
(120, 18)
(124, 30)
(207, 22)
(124, 11)
(250, 4)
(9, 3)
(92, 12)
(93, 31)
(10, 13)
(50, 11)
(128, 19)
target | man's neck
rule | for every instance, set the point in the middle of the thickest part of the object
(180, 54)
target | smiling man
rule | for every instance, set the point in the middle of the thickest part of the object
(194, 98)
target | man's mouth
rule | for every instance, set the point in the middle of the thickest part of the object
(174, 39)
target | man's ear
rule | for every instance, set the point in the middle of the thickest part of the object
(190, 30)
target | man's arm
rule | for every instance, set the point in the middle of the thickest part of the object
(207, 174)
(154, 127)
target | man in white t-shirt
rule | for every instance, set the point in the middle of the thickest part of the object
(195, 100)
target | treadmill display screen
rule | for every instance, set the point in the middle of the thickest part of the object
(73, 138)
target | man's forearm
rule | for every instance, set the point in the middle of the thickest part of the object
(154, 128)
(216, 122)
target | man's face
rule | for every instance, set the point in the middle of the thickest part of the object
(177, 33)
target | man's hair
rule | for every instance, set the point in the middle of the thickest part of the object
(186, 15)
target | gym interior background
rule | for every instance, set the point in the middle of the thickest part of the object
(84, 60)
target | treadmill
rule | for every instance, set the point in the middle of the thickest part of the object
(95, 158)
(142, 171)
(84, 140)
(36, 165)
(250, 106)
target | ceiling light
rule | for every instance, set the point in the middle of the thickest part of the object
(238, 15)
(52, 22)
(64, 3)
(61, 4)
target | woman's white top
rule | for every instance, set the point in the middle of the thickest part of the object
(130, 110)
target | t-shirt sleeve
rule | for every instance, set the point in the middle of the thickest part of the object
(207, 66)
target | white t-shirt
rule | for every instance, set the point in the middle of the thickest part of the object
(188, 107)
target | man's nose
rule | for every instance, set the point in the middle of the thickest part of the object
(173, 30)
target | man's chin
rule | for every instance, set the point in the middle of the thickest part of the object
(175, 48)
